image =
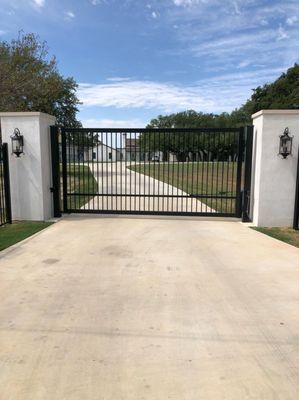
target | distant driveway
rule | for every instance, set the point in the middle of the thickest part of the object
(118, 179)
(127, 309)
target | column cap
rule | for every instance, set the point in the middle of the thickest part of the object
(25, 114)
(274, 112)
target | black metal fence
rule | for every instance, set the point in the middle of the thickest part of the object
(152, 171)
(5, 206)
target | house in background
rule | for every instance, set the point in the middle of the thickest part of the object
(104, 153)
(99, 153)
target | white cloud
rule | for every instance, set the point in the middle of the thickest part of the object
(112, 123)
(292, 20)
(217, 94)
(282, 34)
(97, 2)
(186, 3)
(118, 79)
(69, 15)
(234, 44)
(142, 94)
(39, 3)
(264, 22)
(155, 15)
(244, 64)
(236, 7)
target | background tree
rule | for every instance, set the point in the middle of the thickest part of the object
(30, 81)
(283, 93)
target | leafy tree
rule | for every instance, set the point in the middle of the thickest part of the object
(281, 94)
(30, 81)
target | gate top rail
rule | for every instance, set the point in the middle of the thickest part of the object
(136, 130)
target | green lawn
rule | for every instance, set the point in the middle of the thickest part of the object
(203, 178)
(14, 233)
(288, 235)
(80, 180)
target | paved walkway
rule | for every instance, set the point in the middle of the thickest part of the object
(131, 309)
(115, 178)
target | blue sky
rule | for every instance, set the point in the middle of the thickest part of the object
(135, 59)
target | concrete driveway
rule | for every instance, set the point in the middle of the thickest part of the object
(131, 309)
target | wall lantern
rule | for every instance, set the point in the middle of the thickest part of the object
(17, 142)
(285, 144)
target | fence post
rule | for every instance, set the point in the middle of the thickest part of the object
(247, 174)
(31, 174)
(274, 178)
(55, 171)
(6, 182)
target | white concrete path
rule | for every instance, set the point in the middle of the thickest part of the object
(116, 178)
(153, 309)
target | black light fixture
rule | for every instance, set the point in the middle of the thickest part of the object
(17, 142)
(285, 144)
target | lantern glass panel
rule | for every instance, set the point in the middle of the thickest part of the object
(16, 145)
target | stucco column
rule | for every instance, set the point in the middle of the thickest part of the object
(273, 178)
(30, 175)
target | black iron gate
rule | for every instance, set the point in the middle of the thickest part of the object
(152, 171)
(5, 206)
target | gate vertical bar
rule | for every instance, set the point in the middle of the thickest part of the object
(296, 210)
(247, 174)
(6, 183)
(239, 173)
(55, 171)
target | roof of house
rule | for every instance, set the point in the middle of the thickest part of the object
(132, 142)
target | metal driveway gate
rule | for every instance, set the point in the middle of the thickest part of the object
(5, 205)
(152, 171)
